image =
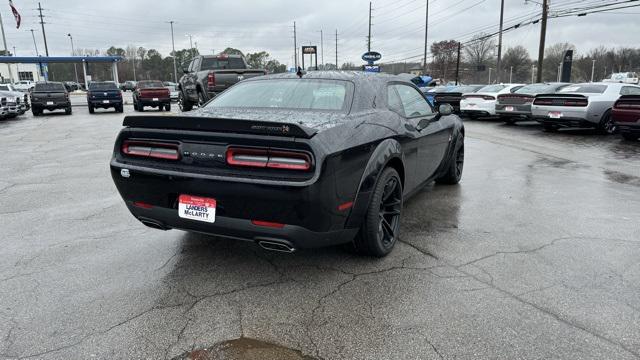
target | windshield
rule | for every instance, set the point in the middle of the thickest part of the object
(49, 87)
(150, 84)
(492, 88)
(584, 88)
(103, 86)
(300, 94)
(222, 63)
(534, 89)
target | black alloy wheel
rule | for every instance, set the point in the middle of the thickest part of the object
(183, 103)
(381, 226)
(453, 172)
(607, 126)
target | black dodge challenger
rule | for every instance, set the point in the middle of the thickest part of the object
(291, 162)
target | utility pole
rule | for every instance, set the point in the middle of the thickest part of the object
(593, 68)
(457, 63)
(17, 65)
(498, 65)
(73, 53)
(321, 49)
(511, 75)
(173, 46)
(489, 76)
(34, 41)
(134, 66)
(369, 37)
(295, 47)
(543, 35)
(337, 49)
(533, 73)
(6, 52)
(44, 35)
(426, 33)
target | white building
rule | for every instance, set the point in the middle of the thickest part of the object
(19, 72)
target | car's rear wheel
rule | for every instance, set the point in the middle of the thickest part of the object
(167, 107)
(453, 174)
(119, 109)
(68, 110)
(91, 109)
(183, 103)
(606, 125)
(35, 111)
(380, 230)
(509, 121)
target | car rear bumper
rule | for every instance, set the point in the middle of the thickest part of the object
(56, 105)
(308, 216)
(478, 106)
(628, 127)
(516, 110)
(101, 104)
(565, 122)
(151, 102)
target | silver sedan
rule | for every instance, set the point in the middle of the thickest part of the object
(581, 105)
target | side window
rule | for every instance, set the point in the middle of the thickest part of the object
(630, 90)
(413, 102)
(393, 101)
(514, 89)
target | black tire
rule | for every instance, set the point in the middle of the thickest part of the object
(549, 127)
(119, 109)
(381, 225)
(630, 137)
(201, 99)
(453, 173)
(91, 109)
(606, 125)
(167, 107)
(68, 110)
(509, 121)
(140, 107)
(35, 111)
(183, 103)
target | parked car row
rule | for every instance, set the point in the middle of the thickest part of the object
(606, 106)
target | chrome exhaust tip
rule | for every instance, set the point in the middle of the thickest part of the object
(279, 246)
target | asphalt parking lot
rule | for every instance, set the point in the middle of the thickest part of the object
(533, 256)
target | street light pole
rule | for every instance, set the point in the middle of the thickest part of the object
(426, 33)
(498, 64)
(510, 74)
(73, 53)
(173, 46)
(34, 41)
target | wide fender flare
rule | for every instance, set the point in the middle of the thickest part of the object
(384, 153)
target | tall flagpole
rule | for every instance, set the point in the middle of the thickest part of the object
(6, 52)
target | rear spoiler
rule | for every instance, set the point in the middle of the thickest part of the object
(562, 95)
(198, 123)
(629, 97)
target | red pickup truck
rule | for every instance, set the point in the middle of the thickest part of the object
(626, 116)
(151, 93)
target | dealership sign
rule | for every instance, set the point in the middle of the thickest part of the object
(371, 56)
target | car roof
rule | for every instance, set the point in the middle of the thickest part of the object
(357, 77)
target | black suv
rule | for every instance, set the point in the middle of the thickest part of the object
(49, 95)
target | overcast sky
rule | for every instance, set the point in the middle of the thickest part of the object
(398, 30)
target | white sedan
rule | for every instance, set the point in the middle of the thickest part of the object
(483, 102)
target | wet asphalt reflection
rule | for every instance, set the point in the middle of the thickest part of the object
(534, 255)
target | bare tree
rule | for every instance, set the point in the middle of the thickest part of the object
(479, 54)
(517, 59)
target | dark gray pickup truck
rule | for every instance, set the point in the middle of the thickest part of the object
(208, 75)
(49, 95)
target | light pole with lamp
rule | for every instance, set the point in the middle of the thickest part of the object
(73, 53)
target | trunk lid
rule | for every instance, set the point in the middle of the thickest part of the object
(515, 99)
(561, 100)
(162, 92)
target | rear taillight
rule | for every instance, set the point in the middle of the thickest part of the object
(151, 149)
(211, 80)
(543, 102)
(267, 158)
(576, 103)
(626, 105)
(487, 97)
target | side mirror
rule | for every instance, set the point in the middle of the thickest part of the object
(445, 109)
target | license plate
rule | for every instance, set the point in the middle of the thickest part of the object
(555, 114)
(155, 99)
(508, 108)
(197, 208)
(49, 102)
(105, 101)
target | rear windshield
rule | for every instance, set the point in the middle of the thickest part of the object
(4, 88)
(222, 63)
(534, 89)
(464, 89)
(584, 88)
(102, 86)
(299, 94)
(492, 88)
(49, 87)
(150, 84)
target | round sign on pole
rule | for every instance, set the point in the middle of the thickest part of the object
(371, 56)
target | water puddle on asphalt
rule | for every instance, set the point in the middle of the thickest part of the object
(244, 349)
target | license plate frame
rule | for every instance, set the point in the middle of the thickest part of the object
(197, 208)
(156, 99)
(509, 108)
(105, 101)
(50, 103)
(555, 114)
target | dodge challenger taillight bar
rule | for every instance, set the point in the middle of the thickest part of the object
(151, 149)
(268, 158)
